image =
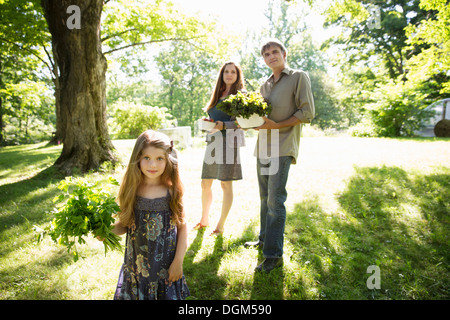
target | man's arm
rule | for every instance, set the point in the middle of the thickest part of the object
(305, 106)
(270, 124)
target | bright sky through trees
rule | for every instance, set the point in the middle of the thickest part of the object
(242, 19)
(242, 16)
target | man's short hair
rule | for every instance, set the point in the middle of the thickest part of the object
(272, 42)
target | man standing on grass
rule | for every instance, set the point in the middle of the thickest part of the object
(289, 93)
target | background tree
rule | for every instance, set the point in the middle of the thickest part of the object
(433, 61)
(366, 43)
(22, 59)
(29, 110)
(188, 77)
(129, 119)
(387, 95)
(82, 65)
(81, 77)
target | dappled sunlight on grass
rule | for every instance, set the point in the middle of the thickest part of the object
(22, 162)
(352, 203)
(373, 227)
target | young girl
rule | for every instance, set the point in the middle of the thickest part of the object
(229, 81)
(152, 216)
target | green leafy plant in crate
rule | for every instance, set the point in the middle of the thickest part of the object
(245, 104)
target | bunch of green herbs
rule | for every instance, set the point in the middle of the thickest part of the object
(244, 105)
(89, 209)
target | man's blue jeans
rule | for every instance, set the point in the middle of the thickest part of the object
(273, 194)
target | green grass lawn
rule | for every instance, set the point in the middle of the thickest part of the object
(352, 203)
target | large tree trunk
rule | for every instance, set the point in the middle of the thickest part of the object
(82, 85)
(1, 106)
(60, 127)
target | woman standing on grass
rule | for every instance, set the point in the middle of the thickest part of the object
(229, 81)
(152, 216)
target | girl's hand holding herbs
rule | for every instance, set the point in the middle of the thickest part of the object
(118, 230)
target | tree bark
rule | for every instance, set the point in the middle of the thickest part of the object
(58, 136)
(1, 105)
(82, 85)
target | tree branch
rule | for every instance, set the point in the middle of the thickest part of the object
(33, 52)
(51, 61)
(147, 42)
(117, 34)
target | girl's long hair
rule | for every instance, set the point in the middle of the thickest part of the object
(133, 177)
(238, 85)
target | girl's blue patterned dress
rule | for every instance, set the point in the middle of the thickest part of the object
(150, 249)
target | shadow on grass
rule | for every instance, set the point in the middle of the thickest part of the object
(395, 219)
(25, 202)
(204, 279)
(20, 206)
(22, 159)
(35, 281)
(268, 286)
(388, 217)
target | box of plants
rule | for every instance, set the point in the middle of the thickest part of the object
(248, 108)
(89, 209)
(206, 124)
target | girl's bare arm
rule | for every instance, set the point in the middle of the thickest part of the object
(176, 268)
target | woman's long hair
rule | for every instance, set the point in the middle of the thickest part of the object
(238, 85)
(133, 178)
